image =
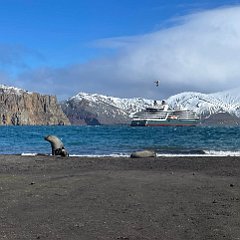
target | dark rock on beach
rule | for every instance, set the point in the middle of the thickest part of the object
(45, 197)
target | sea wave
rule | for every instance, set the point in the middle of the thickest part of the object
(206, 153)
(222, 153)
(115, 155)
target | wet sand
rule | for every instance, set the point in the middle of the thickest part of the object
(46, 197)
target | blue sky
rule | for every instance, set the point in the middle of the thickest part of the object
(120, 47)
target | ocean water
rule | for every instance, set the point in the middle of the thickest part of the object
(122, 140)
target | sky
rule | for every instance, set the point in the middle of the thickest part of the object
(120, 47)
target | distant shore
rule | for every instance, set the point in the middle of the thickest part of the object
(44, 197)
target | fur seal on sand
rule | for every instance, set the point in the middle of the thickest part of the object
(57, 146)
(143, 154)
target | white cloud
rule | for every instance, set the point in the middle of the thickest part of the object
(200, 53)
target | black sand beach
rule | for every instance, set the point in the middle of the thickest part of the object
(119, 198)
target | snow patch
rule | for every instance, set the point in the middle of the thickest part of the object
(10, 89)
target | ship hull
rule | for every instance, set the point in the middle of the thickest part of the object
(160, 123)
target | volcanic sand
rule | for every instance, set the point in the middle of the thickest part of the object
(44, 197)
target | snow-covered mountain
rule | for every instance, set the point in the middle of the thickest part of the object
(203, 104)
(208, 104)
(113, 107)
(129, 106)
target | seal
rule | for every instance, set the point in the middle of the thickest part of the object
(143, 154)
(57, 146)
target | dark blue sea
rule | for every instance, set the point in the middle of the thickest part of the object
(122, 140)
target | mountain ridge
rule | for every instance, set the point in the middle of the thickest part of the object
(97, 105)
(96, 109)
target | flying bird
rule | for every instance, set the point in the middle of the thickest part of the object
(157, 83)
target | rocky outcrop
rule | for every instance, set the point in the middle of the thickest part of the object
(18, 107)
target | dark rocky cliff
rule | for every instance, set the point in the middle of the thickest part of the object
(23, 108)
(221, 119)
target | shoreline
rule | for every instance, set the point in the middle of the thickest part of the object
(202, 153)
(49, 197)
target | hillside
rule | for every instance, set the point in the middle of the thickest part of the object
(87, 109)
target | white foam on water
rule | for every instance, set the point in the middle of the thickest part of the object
(116, 155)
(29, 154)
(222, 153)
(208, 153)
